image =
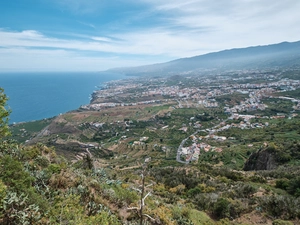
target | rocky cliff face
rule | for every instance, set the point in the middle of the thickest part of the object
(261, 160)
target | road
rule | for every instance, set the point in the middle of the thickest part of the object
(179, 150)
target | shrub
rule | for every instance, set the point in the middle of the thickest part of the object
(13, 175)
(3, 189)
(30, 153)
(53, 168)
(294, 187)
(205, 201)
(279, 206)
(221, 208)
(42, 161)
(244, 190)
(124, 195)
(178, 189)
(194, 191)
(282, 184)
(17, 210)
(281, 222)
(4, 129)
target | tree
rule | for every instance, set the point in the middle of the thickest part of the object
(4, 113)
(142, 190)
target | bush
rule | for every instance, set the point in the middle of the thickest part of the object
(294, 187)
(16, 209)
(42, 161)
(244, 190)
(205, 201)
(281, 222)
(125, 196)
(13, 175)
(282, 184)
(3, 189)
(283, 207)
(4, 129)
(53, 168)
(221, 208)
(194, 191)
(30, 153)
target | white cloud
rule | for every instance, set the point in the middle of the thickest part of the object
(185, 28)
(102, 39)
(23, 59)
(152, 42)
(234, 23)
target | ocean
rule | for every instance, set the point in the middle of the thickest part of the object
(35, 96)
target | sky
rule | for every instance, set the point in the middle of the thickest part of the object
(95, 35)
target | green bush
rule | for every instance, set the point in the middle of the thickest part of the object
(194, 191)
(221, 208)
(205, 201)
(42, 161)
(282, 184)
(3, 189)
(294, 187)
(13, 175)
(244, 190)
(53, 168)
(4, 113)
(278, 206)
(30, 153)
(124, 196)
(281, 222)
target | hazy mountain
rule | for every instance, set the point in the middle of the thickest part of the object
(286, 54)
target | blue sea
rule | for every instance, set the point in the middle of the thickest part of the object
(35, 96)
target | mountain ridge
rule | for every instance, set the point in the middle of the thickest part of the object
(284, 54)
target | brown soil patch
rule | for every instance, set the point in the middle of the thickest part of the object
(254, 218)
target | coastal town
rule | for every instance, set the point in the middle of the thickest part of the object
(202, 92)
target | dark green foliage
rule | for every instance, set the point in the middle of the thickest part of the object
(205, 201)
(53, 168)
(193, 192)
(284, 207)
(221, 208)
(244, 190)
(172, 177)
(25, 131)
(230, 174)
(282, 184)
(294, 187)
(282, 222)
(42, 161)
(4, 113)
(204, 117)
(13, 175)
(30, 153)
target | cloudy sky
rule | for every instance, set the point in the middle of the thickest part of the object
(94, 35)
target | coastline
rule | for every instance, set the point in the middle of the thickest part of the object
(37, 96)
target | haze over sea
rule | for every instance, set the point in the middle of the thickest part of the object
(35, 96)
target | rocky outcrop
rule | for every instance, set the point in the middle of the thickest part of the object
(261, 160)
